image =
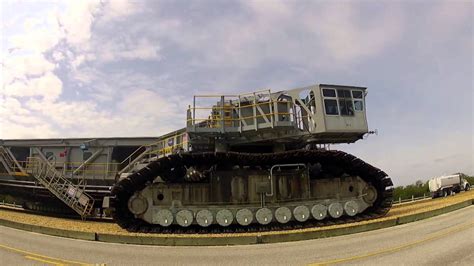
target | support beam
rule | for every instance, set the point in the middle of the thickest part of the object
(139, 157)
(89, 160)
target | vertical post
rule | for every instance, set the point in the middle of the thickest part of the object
(412, 197)
(194, 112)
(399, 199)
(270, 108)
(107, 166)
(240, 115)
(275, 111)
(255, 111)
(222, 112)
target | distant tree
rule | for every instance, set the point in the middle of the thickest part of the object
(407, 192)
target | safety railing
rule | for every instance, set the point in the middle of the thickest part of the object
(412, 199)
(88, 169)
(10, 163)
(58, 184)
(156, 149)
(250, 111)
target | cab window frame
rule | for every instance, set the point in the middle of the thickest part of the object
(345, 100)
(360, 100)
(332, 99)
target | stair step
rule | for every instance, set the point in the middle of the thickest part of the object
(59, 185)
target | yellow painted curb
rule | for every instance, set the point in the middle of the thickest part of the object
(253, 238)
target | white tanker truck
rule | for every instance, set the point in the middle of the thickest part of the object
(447, 185)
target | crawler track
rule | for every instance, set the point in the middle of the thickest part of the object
(349, 164)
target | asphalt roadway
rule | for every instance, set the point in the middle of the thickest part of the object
(443, 240)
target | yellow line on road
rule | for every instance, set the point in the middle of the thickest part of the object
(31, 254)
(397, 248)
(44, 261)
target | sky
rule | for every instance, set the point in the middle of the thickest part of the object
(123, 69)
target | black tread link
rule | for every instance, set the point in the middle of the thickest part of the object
(163, 167)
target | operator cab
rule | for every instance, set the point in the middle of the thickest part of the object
(344, 110)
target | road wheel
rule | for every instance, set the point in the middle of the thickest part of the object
(467, 188)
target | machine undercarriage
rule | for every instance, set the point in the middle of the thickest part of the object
(242, 191)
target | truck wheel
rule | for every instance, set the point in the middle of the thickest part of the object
(445, 192)
(467, 188)
(450, 192)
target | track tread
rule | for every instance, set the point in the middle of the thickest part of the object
(125, 188)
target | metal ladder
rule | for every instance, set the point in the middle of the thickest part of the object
(64, 189)
(9, 162)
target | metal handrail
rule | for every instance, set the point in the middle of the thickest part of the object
(74, 165)
(218, 119)
(237, 107)
(60, 186)
(129, 158)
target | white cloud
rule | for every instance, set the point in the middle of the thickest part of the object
(57, 56)
(19, 67)
(137, 114)
(127, 50)
(119, 9)
(339, 30)
(281, 30)
(77, 22)
(18, 122)
(48, 86)
(39, 35)
(14, 130)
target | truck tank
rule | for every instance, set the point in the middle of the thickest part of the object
(257, 161)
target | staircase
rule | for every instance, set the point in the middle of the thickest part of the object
(11, 165)
(56, 183)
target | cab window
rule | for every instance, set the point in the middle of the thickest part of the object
(357, 94)
(358, 105)
(346, 107)
(358, 100)
(329, 93)
(342, 101)
(331, 107)
(330, 102)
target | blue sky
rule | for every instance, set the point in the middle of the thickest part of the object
(117, 68)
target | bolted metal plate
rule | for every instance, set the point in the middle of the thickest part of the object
(263, 187)
(224, 217)
(244, 217)
(184, 218)
(163, 217)
(301, 213)
(351, 208)
(204, 218)
(335, 210)
(137, 205)
(319, 211)
(283, 215)
(370, 194)
(264, 216)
